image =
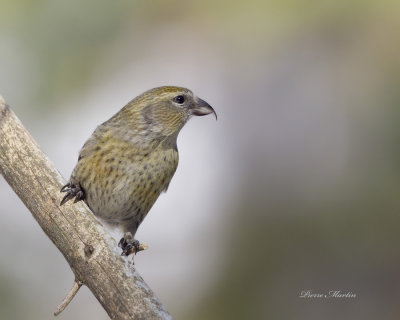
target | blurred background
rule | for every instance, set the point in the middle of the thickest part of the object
(295, 187)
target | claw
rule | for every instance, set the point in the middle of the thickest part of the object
(68, 185)
(67, 197)
(72, 191)
(79, 196)
(128, 245)
(127, 250)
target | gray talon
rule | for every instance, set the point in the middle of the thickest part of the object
(72, 191)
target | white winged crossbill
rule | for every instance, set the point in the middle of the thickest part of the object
(131, 158)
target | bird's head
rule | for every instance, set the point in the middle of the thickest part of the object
(163, 111)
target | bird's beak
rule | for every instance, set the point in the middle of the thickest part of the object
(202, 108)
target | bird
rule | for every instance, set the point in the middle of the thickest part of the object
(130, 159)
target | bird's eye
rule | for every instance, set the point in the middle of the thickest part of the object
(179, 99)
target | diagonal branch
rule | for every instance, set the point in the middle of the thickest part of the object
(88, 248)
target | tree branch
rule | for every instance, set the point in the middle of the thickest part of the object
(88, 248)
(68, 298)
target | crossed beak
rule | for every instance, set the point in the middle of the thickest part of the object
(202, 108)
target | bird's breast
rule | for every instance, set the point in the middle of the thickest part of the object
(121, 183)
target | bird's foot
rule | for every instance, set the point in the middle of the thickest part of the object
(129, 245)
(72, 191)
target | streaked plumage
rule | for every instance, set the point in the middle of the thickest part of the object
(131, 158)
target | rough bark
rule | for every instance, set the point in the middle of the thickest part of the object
(90, 251)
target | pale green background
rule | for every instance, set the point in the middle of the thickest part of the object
(295, 187)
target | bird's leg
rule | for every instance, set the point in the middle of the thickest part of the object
(129, 245)
(72, 191)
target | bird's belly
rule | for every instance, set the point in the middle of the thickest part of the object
(113, 207)
(130, 188)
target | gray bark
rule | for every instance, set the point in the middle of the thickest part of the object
(90, 251)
